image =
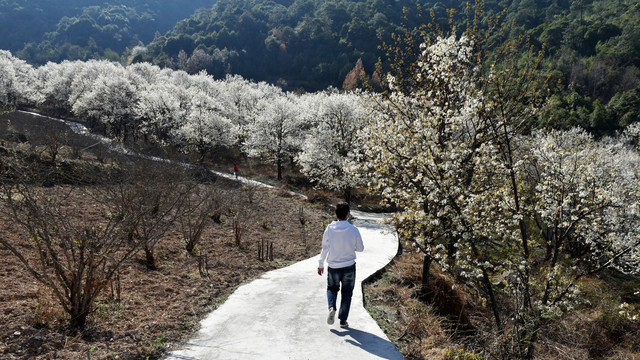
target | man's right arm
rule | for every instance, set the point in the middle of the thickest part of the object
(323, 253)
(359, 244)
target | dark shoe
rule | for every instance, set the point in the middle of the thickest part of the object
(332, 315)
(344, 324)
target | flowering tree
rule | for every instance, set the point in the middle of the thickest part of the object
(148, 73)
(7, 79)
(332, 143)
(418, 150)
(204, 127)
(16, 81)
(275, 133)
(489, 203)
(243, 98)
(87, 75)
(111, 101)
(55, 86)
(158, 110)
(571, 212)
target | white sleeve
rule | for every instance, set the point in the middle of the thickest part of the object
(325, 250)
(359, 243)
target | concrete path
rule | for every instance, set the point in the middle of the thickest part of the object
(282, 315)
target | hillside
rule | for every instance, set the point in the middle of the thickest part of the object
(142, 310)
(44, 31)
(308, 44)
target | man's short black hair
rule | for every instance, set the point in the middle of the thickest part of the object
(342, 210)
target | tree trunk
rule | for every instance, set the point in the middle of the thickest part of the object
(150, 259)
(532, 342)
(194, 239)
(426, 266)
(80, 308)
(492, 299)
(347, 195)
(279, 169)
(78, 319)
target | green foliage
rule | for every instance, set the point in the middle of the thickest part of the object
(308, 43)
(56, 31)
(596, 47)
(593, 47)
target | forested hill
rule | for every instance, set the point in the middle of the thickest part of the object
(56, 30)
(594, 47)
(306, 43)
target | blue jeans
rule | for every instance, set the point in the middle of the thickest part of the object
(347, 277)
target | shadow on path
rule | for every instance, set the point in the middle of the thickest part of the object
(371, 343)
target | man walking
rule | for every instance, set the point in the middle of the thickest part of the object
(340, 242)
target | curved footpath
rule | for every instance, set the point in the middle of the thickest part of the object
(282, 315)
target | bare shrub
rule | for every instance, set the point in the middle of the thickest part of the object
(253, 194)
(243, 210)
(201, 204)
(265, 250)
(239, 228)
(203, 265)
(116, 288)
(53, 143)
(304, 222)
(155, 193)
(76, 253)
(75, 258)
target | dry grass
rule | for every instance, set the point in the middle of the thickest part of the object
(420, 330)
(414, 326)
(156, 308)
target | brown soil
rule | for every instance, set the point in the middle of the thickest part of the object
(159, 307)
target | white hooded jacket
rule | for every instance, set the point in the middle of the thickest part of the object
(340, 242)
